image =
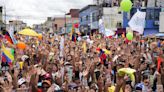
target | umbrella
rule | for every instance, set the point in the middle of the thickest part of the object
(28, 32)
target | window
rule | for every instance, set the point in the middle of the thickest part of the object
(0, 9)
(87, 17)
(156, 14)
(150, 14)
(119, 25)
(81, 19)
(93, 17)
(56, 26)
(119, 12)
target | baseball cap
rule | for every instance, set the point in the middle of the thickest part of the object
(21, 81)
(139, 86)
(47, 82)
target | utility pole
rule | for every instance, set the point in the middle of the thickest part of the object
(4, 11)
(5, 16)
(65, 25)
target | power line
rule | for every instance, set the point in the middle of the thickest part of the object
(26, 17)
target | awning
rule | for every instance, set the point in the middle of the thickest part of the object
(148, 32)
(121, 30)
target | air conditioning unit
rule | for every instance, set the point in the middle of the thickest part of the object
(156, 23)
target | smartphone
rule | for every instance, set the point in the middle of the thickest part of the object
(155, 54)
(39, 84)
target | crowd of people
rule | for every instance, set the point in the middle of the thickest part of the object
(57, 63)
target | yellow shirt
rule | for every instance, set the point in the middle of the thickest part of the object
(112, 89)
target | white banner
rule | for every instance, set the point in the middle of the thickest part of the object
(108, 32)
(102, 29)
(101, 26)
(61, 46)
(137, 22)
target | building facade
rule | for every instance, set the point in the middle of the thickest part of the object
(65, 23)
(16, 24)
(113, 18)
(88, 18)
(61, 23)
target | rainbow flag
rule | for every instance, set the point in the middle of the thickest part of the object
(7, 55)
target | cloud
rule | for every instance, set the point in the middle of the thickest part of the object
(36, 11)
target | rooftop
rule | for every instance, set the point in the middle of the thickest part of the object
(86, 7)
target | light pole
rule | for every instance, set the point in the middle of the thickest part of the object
(5, 15)
(65, 25)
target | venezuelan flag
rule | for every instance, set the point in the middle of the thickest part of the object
(7, 56)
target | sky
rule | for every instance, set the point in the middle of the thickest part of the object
(36, 11)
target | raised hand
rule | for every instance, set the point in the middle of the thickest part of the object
(6, 86)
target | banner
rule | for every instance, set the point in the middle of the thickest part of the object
(101, 26)
(137, 22)
(108, 33)
(105, 31)
(61, 46)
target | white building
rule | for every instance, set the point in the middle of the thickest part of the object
(160, 3)
(113, 18)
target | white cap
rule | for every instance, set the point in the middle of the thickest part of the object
(21, 81)
(24, 57)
